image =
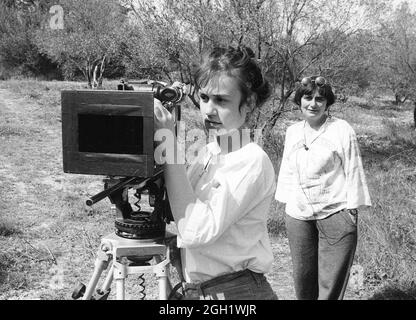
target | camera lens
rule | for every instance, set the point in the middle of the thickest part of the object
(168, 94)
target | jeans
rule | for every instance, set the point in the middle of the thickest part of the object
(322, 253)
(241, 285)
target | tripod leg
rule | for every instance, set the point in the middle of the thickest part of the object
(107, 283)
(162, 278)
(100, 266)
(120, 289)
(163, 288)
(120, 274)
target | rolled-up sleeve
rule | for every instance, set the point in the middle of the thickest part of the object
(233, 193)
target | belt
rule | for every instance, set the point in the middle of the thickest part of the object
(186, 286)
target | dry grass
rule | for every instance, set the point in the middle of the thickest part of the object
(49, 236)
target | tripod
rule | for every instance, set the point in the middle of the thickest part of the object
(126, 257)
(140, 244)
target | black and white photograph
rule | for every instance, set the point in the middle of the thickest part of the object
(232, 150)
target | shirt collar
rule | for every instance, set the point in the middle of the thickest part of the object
(213, 148)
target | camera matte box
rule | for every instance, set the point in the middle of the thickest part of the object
(108, 132)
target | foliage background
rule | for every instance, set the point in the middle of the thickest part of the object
(367, 50)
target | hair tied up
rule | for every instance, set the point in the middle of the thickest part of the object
(246, 51)
(238, 62)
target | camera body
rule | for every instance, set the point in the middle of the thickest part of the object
(110, 132)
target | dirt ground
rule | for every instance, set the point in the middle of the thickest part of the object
(55, 236)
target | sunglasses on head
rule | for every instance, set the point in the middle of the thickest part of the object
(319, 81)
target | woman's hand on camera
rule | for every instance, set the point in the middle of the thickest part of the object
(163, 118)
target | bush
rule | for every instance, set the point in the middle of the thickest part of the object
(387, 245)
(19, 54)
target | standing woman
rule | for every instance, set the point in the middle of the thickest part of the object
(322, 183)
(220, 205)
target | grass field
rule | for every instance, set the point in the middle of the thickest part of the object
(49, 237)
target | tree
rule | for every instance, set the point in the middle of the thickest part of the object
(309, 37)
(170, 36)
(350, 68)
(397, 51)
(91, 37)
(291, 39)
(18, 50)
(396, 54)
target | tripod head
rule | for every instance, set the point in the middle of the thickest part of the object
(137, 224)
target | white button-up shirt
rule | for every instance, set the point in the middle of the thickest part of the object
(227, 228)
(323, 177)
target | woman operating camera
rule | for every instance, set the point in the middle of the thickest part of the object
(220, 204)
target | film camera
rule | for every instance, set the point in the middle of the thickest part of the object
(110, 132)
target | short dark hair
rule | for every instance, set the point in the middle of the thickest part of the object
(238, 63)
(309, 89)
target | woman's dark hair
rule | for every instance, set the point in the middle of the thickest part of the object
(309, 89)
(238, 63)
